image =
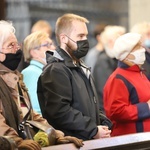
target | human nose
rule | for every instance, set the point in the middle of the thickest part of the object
(16, 48)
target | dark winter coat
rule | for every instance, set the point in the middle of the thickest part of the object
(68, 98)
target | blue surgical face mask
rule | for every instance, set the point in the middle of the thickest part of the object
(147, 43)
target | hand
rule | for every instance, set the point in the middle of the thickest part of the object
(69, 139)
(28, 145)
(103, 132)
(61, 139)
(59, 133)
(7, 143)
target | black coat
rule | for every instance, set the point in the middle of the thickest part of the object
(103, 68)
(67, 99)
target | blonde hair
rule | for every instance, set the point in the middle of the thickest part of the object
(64, 24)
(42, 25)
(33, 41)
(6, 29)
(141, 28)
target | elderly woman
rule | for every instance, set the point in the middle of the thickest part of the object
(34, 49)
(14, 100)
(127, 91)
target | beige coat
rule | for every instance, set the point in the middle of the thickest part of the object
(12, 78)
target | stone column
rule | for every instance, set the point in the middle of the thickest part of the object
(139, 11)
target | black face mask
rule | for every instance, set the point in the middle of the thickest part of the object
(12, 60)
(82, 49)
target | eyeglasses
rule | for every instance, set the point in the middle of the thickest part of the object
(48, 45)
(13, 46)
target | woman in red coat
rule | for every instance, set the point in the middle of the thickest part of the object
(127, 91)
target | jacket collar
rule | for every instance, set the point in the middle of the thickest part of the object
(131, 68)
(9, 76)
(4, 69)
(37, 63)
(68, 60)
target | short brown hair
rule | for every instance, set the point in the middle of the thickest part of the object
(99, 28)
(64, 23)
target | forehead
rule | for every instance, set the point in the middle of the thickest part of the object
(11, 38)
(47, 40)
(79, 27)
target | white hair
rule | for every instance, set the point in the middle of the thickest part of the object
(112, 32)
(141, 28)
(6, 28)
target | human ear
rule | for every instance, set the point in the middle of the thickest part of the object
(131, 56)
(63, 38)
(2, 57)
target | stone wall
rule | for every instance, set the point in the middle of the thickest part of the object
(139, 11)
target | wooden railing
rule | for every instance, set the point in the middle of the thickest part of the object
(138, 141)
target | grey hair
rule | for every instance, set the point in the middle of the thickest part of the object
(6, 28)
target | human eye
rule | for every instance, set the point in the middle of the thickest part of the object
(11, 45)
(50, 44)
(81, 36)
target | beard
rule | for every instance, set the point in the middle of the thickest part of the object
(70, 48)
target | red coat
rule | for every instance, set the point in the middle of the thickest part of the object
(125, 100)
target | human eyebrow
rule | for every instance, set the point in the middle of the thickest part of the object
(13, 43)
(81, 35)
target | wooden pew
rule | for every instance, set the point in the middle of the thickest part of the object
(138, 141)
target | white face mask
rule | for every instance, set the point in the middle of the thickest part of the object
(43, 59)
(139, 56)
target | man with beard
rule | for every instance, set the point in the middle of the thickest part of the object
(66, 92)
(15, 105)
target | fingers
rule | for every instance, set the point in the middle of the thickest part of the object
(36, 145)
(105, 135)
(103, 131)
(62, 141)
(69, 139)
(76, 141)
(79, 143)
(105, 127)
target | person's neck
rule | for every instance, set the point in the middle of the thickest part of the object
(99, 47)
(130, 63)
(40, 60)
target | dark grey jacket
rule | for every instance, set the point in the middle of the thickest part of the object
(67, 99)
(103, 68)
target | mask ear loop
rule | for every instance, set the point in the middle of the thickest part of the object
(4, 56)
(71, 39)
(2, 53)
(132, 53)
